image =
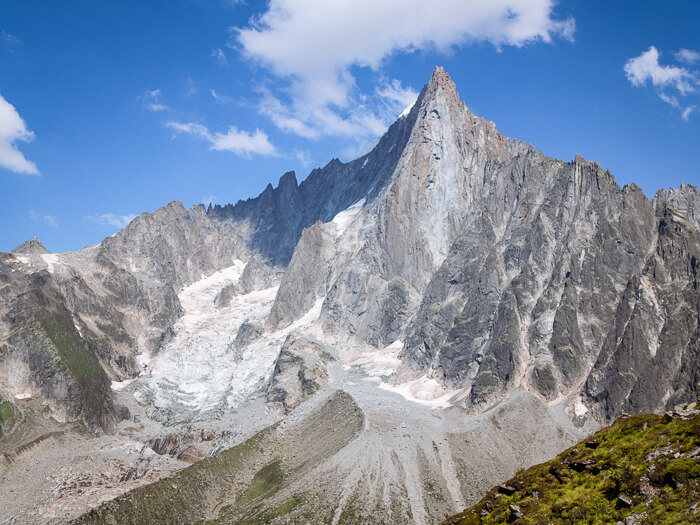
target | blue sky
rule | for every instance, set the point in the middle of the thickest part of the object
(112, 108)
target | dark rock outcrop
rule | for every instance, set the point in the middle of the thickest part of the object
(300, 370)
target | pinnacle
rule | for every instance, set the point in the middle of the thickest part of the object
(440, 84)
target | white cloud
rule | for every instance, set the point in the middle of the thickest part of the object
(219, 55)
(234, 140)
(394, 92)
(49, 220)
(151, 100)
(209, 200)
(646, 68)
(13, 129)
(112, 219)
(688, 56)
(313, 47)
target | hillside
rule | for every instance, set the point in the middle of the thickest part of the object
(642, 469)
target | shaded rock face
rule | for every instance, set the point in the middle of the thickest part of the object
(300, 370)
(649, 360)
(247, 333)
(277, 217)
(44, 352)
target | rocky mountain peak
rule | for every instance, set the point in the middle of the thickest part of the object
(289, 179)
(440, 87)
(440, 78)
(31, 247)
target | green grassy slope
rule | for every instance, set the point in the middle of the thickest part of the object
(644, 465)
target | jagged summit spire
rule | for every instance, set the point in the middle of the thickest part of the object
(439, 85)
(441, 77)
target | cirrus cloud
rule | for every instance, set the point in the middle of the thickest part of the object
(112, 219)
(49, 220)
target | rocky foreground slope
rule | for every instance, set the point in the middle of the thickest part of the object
(466, 291)
(642, 469)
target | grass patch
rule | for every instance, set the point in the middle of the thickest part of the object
(265, 479)
(7, 413)
(79, 361)
(261, 515)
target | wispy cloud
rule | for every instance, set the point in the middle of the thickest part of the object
(303, 157)
(219, 55)
(10, 38)
(208, 200)
(151, 100)
(688, 56)
(12, 130)
(685, 114)
(192, 88)
(670, 81)
(221, 99)
(49, 220)
(236, 141)
(112, 219)
(310, 48)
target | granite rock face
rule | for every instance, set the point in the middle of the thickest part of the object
(649, 360)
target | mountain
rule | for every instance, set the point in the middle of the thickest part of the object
(481, 305)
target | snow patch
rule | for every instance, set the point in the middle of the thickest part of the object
(50, 259)
(345, 217)
(120, 385)
(23, 395)
(382, 363)
(425, 391)
(407, 109)
(579, 408)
